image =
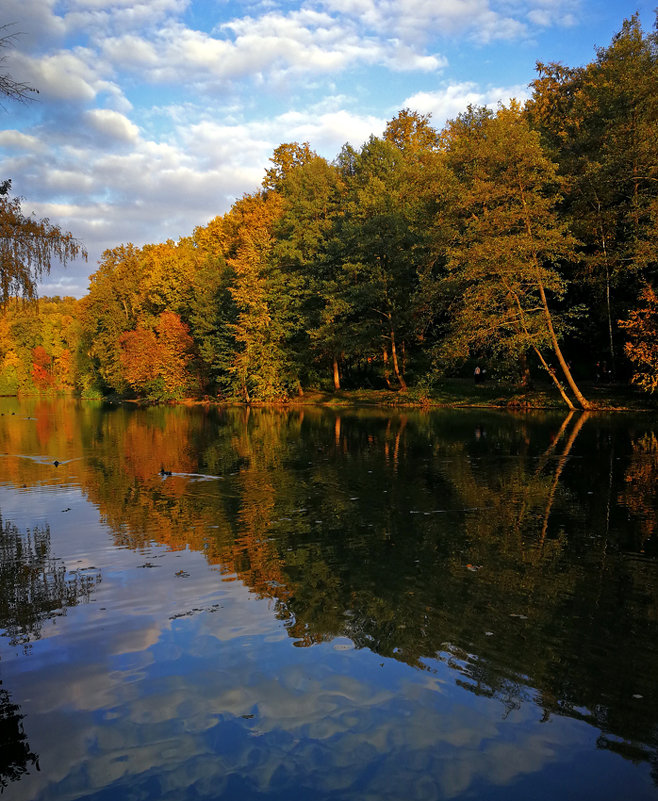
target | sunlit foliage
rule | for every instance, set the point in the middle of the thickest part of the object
(514, 238)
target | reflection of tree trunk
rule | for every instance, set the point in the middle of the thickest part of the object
(336, 374)
(541, 464)
(386, 436)
(556, 439)
(337, 430)
(396, 449)
(558, 472)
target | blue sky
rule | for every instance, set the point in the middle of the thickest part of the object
(154, 115)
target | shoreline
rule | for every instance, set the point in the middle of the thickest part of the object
(454, 394)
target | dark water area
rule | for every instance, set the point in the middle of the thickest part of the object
(318, 604)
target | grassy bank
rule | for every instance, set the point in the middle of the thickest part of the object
(457, 392)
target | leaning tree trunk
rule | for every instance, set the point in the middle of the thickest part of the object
(582, 400)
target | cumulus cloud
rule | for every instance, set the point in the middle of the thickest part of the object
(412, 19)
(138, 107)
(264, 48)
(35, 22)
(446, 103)
(12, 140)
(417, 21)
(112, 124)
(63, 76)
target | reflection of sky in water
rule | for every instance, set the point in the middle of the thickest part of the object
(173, 683)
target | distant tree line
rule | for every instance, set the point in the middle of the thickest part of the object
(524, 238)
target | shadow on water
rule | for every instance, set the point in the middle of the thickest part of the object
(519, 551)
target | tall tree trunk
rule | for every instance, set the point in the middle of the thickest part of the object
(556, 381)
(604, 247)
(394, 358)
(525, 370)
(582, 400)
(546, 366)
(336, 374)
(387, 371)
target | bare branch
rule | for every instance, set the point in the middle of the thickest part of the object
(9, 86)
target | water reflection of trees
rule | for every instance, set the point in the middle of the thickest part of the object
(16, 758)
(517, 550)
(34, 585)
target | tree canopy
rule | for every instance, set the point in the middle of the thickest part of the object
(520, 239)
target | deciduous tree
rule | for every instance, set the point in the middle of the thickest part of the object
(28, 247)
(510, 239)
(641, 347)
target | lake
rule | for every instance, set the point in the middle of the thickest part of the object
(203, 603)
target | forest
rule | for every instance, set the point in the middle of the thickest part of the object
(522, 240)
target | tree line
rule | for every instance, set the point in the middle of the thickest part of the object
(522, 239)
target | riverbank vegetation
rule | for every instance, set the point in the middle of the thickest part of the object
(520, 241)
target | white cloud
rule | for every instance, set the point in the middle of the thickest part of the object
(146, 125)
(270, 47)
(540, 17)
(112, 124)
(446, 103)
(16, 140)
(414, 20)
(63, 76)
(34, 21)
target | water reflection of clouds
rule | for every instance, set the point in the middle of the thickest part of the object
(298, 738)
(178, 711)
(173, 678)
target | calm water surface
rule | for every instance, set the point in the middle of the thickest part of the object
(326, 605)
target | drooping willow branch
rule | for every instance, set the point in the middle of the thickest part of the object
(28, 247)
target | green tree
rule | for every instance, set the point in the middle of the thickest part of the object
(600, 123)
(385, 241)
(286, 157)
(509, 241)
(112, 307)
(312, 193)
(260, 368)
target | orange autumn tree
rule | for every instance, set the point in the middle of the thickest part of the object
(155, 361)
(41, 368)
(642, 345)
